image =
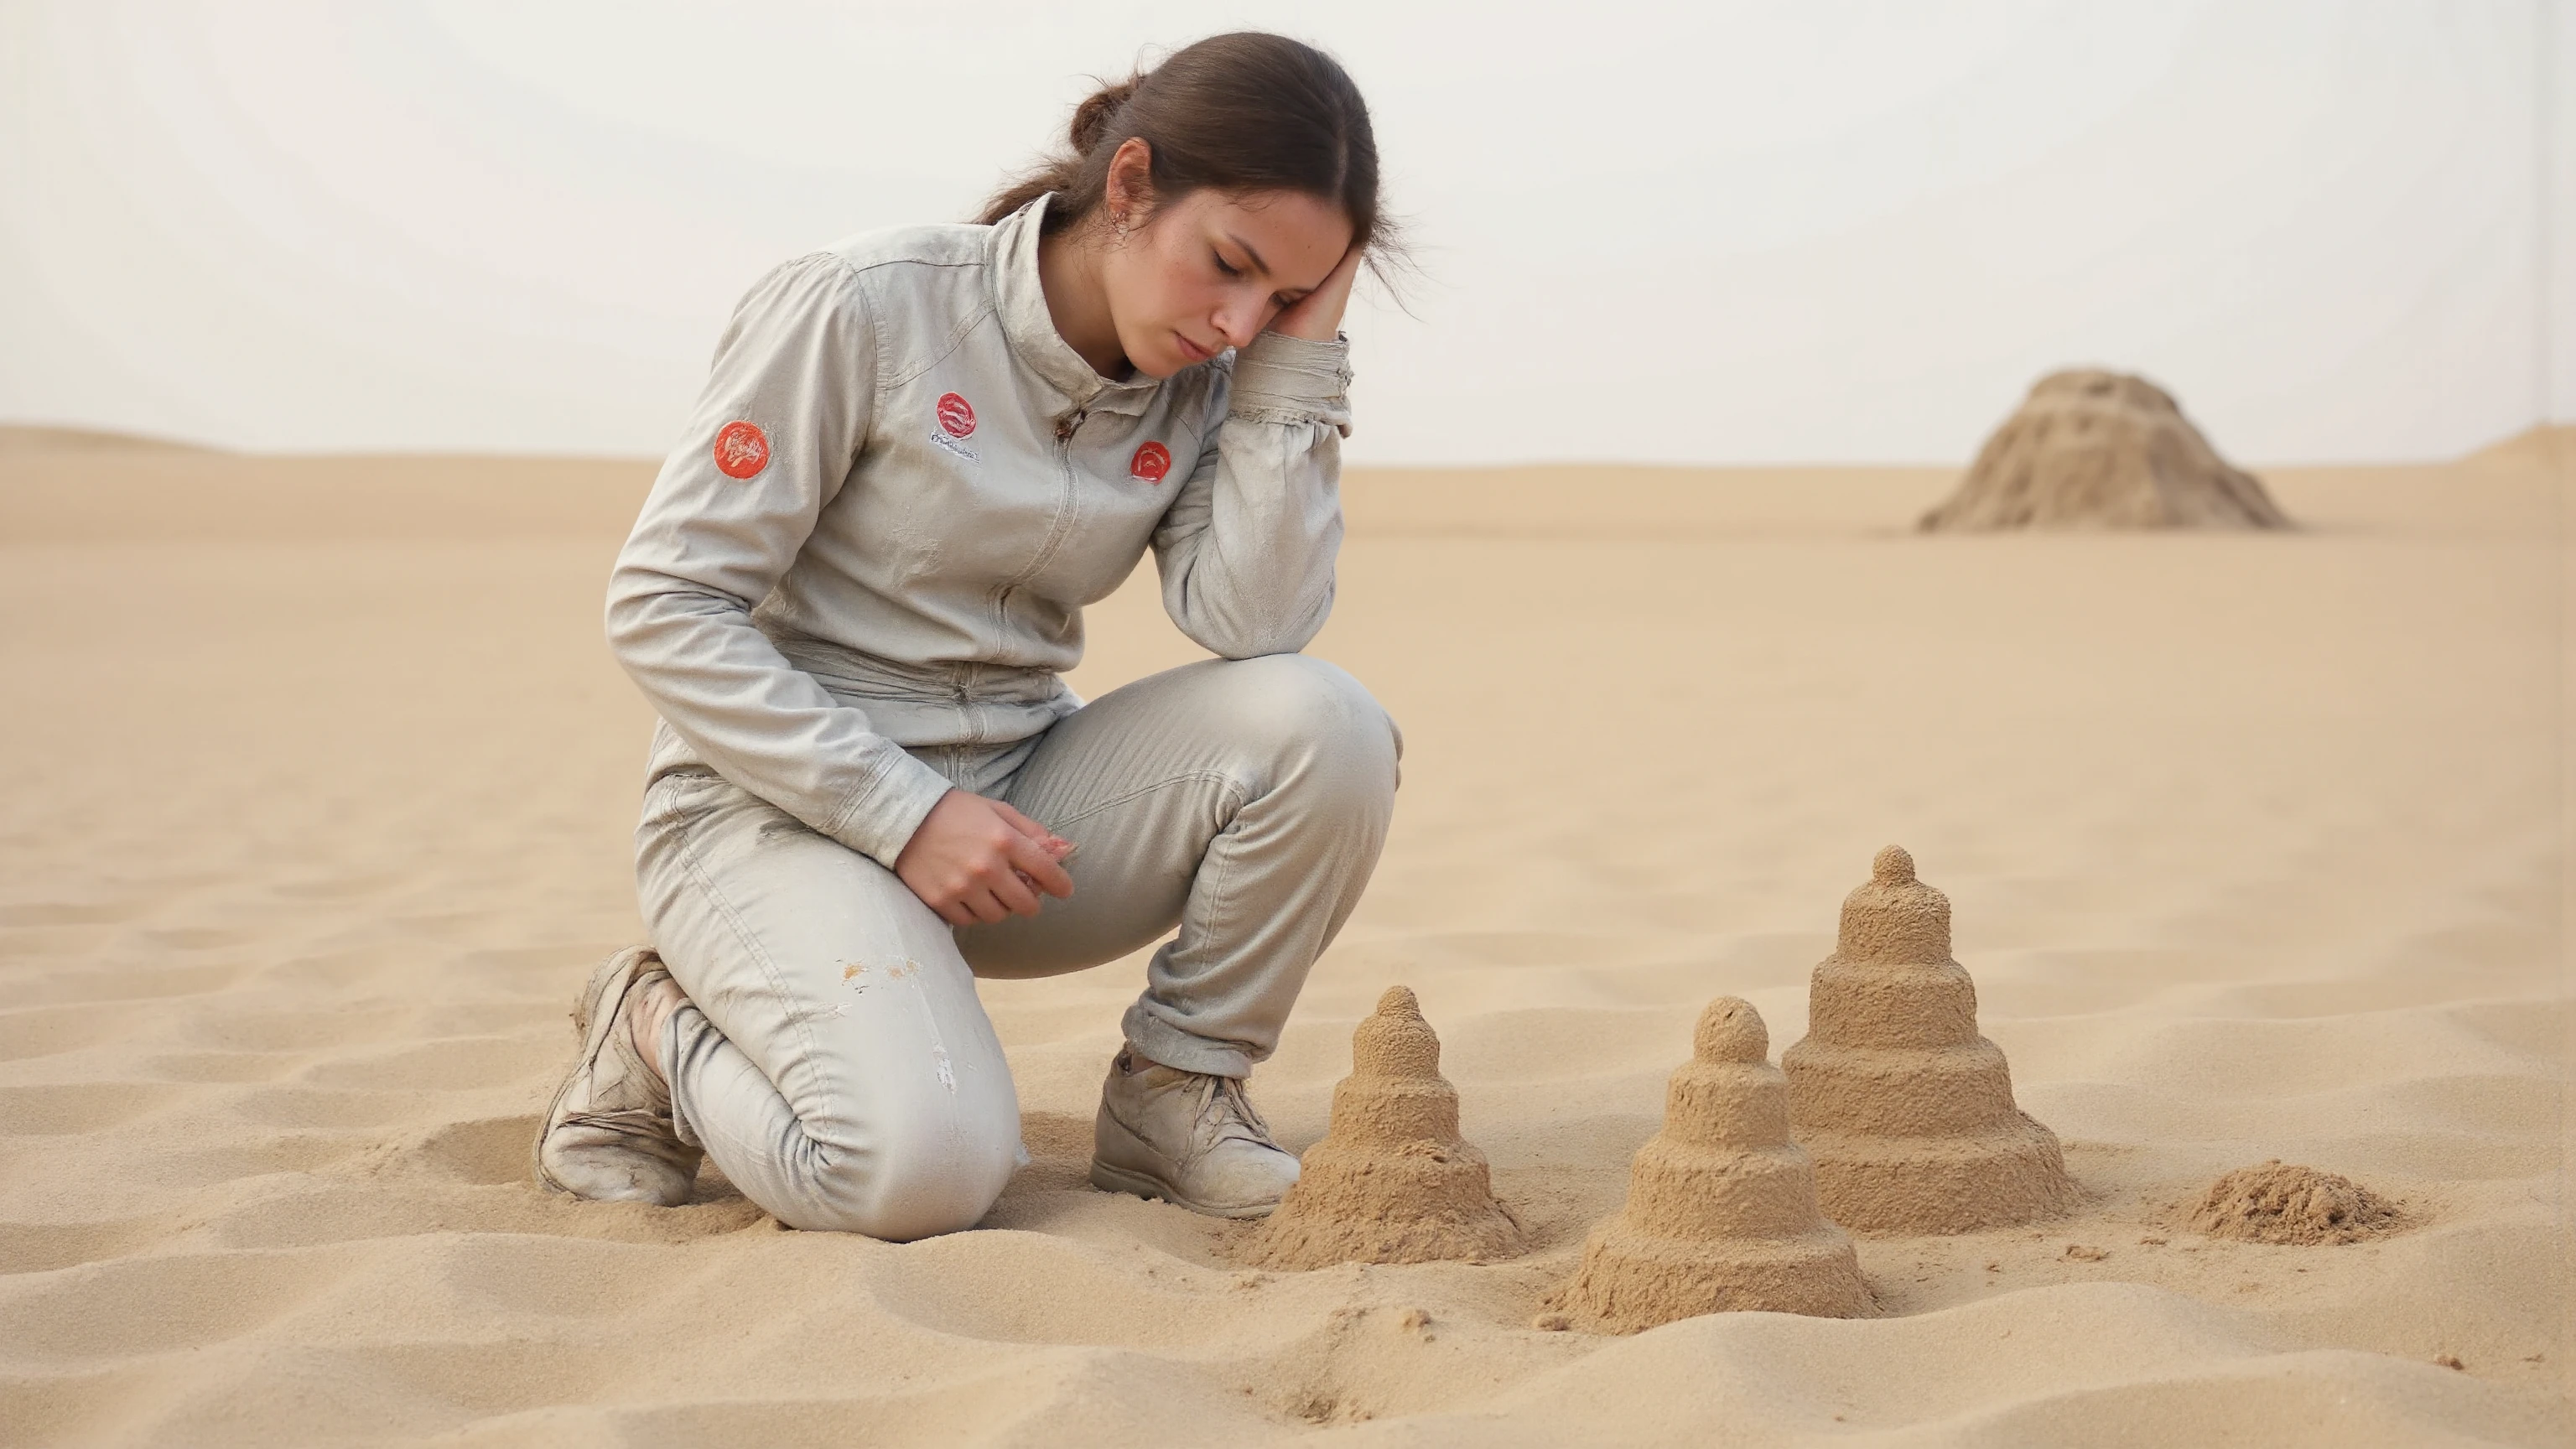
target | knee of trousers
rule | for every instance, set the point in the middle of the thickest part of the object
(1316, 726)
(915, 1178)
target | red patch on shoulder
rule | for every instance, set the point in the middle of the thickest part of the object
(956, 415)
(742, 450)
(1151, 462)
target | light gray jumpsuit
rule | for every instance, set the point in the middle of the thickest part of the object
(853, 586)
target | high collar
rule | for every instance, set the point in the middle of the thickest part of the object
(1020, 299)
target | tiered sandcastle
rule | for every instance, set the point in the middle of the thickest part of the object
(1910, 1112)
(2094, 449)
(1721, 1212)
(1392, 1181)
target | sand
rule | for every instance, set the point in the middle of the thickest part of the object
(2254, 843)
(1392, 1181)
(2095, 449)
(1910, 1112)
(1721, 1215)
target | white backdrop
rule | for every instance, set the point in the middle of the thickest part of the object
(1807, 230)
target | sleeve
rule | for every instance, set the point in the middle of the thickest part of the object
(776, 432)
(1246, 551)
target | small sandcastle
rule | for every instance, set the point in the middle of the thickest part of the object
(1721, 1213)
(2090, 449)
(1910, 1112)
(1392, 1181)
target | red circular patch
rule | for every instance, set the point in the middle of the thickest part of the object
(1151, 462)
(741, 450)
(956, 415)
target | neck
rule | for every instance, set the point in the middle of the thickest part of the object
(1078, 301)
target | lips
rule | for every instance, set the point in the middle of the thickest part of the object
(1192, 350)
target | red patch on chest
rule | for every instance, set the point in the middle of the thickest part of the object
(742, 450)
(1151, 463)
(956, 415)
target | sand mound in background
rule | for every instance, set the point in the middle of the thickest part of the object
(1392, 1181)
(1909, 1111)
(30, 438)
(2298, 1206)
(2549, 448)
(1721, 1213)
(2094, 449)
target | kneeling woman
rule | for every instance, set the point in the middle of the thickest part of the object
(850, 596)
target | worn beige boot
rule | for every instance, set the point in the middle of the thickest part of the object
(609, 1134)
(1189, 1138)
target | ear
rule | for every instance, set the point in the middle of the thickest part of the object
(1129, 187)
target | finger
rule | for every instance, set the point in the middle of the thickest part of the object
(955, 914)
(1039, 864)
(1341, 279)
(1022, 823)
(986, 908)
(1013, 892)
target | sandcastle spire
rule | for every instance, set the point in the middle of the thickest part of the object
(1721, 1212)
(1392, 1181)
(1909, 1111)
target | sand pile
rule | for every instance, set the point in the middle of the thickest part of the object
(1721, 1213)
(1910, 1112)
(2102, 450)
(1392, 1181)
(2299, 1206)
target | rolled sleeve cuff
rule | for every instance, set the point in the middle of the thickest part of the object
(1283, 379)
(878, 820)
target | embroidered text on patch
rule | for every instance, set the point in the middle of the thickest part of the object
(956, 419)
(742, 450)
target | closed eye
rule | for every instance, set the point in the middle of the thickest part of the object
(1224, 266)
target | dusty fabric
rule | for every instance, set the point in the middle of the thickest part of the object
(898, 491)
(834, 1060)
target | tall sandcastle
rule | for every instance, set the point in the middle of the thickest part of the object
(2092, 449)
(1721, 1213)
(1910, 1112)
(1392, 1181)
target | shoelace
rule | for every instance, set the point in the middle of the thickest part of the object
(1227, 1111)
(651, 1120)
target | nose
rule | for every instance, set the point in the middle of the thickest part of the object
(1241, 319)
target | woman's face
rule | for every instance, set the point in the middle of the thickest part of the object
(1210, 271)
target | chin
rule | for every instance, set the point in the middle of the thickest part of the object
(1156, 362)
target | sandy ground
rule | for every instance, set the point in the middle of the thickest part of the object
(320, 807)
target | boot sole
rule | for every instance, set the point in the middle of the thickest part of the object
(590, 1026)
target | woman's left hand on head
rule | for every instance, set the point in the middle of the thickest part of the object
(1317, 316)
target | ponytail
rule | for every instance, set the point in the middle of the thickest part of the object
(1241, 113)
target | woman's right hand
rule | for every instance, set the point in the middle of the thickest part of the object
(974, 859)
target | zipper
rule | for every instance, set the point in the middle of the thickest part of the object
(962, 697)
(1065, 427)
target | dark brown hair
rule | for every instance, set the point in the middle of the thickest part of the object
(1243, 112)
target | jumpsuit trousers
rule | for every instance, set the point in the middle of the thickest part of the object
(833, 1059)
